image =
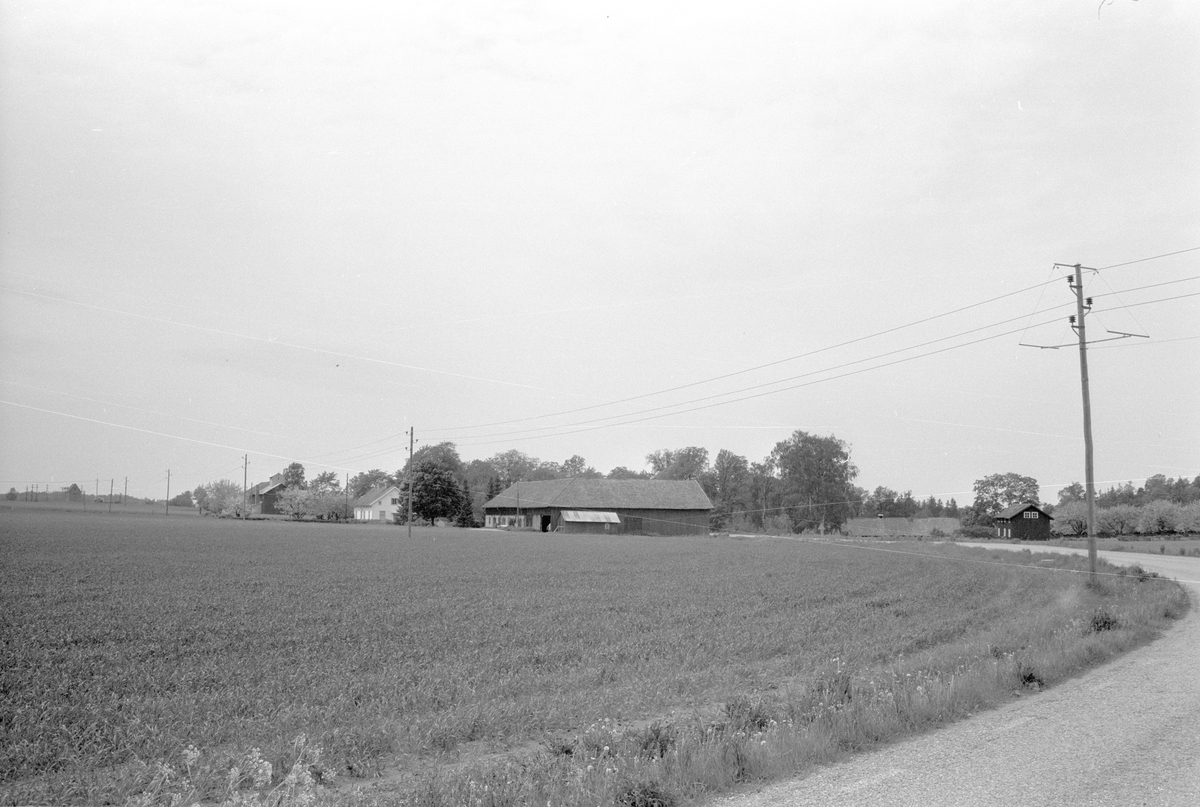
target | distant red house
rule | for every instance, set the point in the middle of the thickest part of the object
(1023, 522)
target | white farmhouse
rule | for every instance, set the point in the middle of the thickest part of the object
(378, 504)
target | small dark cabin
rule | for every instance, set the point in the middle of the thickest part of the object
(1023, 522)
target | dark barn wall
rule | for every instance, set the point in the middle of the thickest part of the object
(1027, 529)
(1030, 529)
(665, 522)
(652, 522)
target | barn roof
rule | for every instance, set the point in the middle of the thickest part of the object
(605, 494)
(1013, 510)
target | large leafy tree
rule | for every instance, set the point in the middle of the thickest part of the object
(994, 493)
(546, 470)
(621, 472)
(293, 476)
(728, 483)
(816, 475)
(436, 493)
(183, 499)
(327, 482)
(1073, 492)
(366, 481)
(682, 463)
(442, 455)
(512, 466)
(466, 512)
(576, 466)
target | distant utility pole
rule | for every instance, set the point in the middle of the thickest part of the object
(125, 495)
(412, 440)
(110, 494)
(245, 473)
(167, 506)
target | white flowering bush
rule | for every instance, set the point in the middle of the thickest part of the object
(1159, 516)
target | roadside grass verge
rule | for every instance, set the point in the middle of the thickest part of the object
(177, 661)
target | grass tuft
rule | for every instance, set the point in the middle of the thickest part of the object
(644, 794)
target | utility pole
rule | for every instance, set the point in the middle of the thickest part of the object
(1081, 309)
(110, 494)
(1083, 305)
(411, 442)
(125, 495)
(245, 472)
(167, 507)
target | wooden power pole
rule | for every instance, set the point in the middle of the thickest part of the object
(1081, 309)
(1083, 305)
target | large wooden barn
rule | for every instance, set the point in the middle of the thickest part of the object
(1023, 522)
(632, 506)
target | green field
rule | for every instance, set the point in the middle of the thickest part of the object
(134, 646)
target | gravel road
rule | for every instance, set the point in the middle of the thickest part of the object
(1126, 733)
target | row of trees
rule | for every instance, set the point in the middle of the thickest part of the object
(804, 483)
(1156, 517)
(806, 479)
(1157, 488)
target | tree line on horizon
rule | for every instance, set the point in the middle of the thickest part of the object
(806, 483)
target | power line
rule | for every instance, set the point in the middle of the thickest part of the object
(785, 380)
(750, 369)
(567, 430)
(1151, 258)
(442, 432)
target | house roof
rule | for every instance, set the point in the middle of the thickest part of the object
(264, 487)
(605, 494)
(1014, 510)
(372, 496)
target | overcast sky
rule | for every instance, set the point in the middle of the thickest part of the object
(294, 230)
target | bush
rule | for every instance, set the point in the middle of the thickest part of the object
(1158, 517)
(1189, 518)
(223, 498)
(1121, 519)
(1071, 519)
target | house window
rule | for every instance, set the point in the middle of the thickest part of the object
(383, 515)
(395, 501)
(1031, 514)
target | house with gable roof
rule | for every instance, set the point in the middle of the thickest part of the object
(1023, 522)
(602, 506)
(261, 498)
(378, 504)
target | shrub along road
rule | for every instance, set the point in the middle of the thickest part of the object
(1123, 733)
